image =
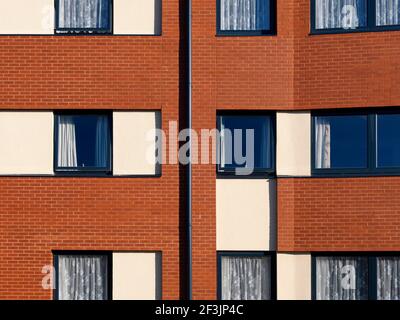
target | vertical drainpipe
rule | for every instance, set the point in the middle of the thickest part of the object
(189, 168)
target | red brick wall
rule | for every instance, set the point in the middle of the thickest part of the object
(341, 214)
(344, 70)
(38, 215)
(289, 71)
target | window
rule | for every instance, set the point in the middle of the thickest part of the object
(330, 16)
(246, 145)
(341, 278)
(83, 143)
(363, 143)
(388, 140)
(245, 17)
(352, 277)
(83, 276)
(341, 142)
(83, 16)
(246, 276)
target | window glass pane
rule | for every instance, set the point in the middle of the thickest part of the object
(83, 141)
(246, 142)
(341, 278)
(245, 15)
(388, 140)
(341, 142)
(388, 278)
(82, 277)
(84, 14)
(387, 12)
(340, 14)
(246, 278)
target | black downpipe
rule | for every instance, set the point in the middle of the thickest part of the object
(189, 167)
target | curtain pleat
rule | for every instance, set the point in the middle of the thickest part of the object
(82, 278)
(388, 275)
(347, 14)
(266, 147)
(341, 278)
(67, 155)
(244, 15)
(322, 143)
(387, 12)
(246, 278)
(102, 142)
(83, 14)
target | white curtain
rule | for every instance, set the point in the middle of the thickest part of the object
(331, 14)
(226, 145)
(245, 278)
(387, 12)
(266, 146)
(322, 143)
(67, 156)
(244, 15)
(82, 278)
(341, 278)
(102, 142)
(388, 275)
(83, 14)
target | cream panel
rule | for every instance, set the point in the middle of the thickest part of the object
(294, 276)
(137, 17)
(133, 142)
(27, 17)
(246, 214)
(26, 142)
(136, 276)
(293, 144)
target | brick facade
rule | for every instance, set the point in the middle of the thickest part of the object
(289, 71)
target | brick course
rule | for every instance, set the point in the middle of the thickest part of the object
(290, 71)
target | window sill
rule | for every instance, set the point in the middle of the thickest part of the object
(254, 175)
(244, 34)
(315, 32)
(79, 175)
(355, 174)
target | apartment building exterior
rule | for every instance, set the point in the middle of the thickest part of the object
(84, 201)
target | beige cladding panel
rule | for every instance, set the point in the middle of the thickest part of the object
(293, 144)
(26, 142)
(136, 276)
(246, 214)
(294, 276)
(27, 17)
(134, 150)
(137, 17)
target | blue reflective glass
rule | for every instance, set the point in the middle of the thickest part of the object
(388, 140)
(341, 141)
(340, 14)
(231, 144)
(83, 15)
(83, 141)
(245, 15)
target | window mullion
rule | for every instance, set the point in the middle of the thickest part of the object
(372, 163)
(371, 14)
(372, 278)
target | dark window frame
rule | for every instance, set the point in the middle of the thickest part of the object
(372, 276)
(257, 172)
(107, 254)
(80, 171)
(370, 27)
(271, 254)
(372, 169)
(84, 31)
(270, 32)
